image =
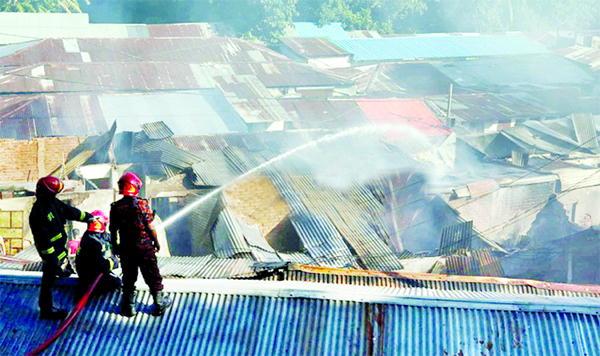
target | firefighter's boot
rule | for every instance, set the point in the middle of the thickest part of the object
(161, 303)
(128, 304)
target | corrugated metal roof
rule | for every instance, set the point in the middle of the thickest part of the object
(313, 47)
(181, 30)
(251, 99)
(157, 130)
(585, 55)
(170, 154)
(213, 170)
(94, 77)
(185, 113)
(188, 50)
(437, 47)
(585, 130)
(351, 213)
(239, 317)
(28, 116)
(532, 143)
(409, 80)
(456, 237)
(324, 113)
(402, 112)
(491, 107)
(332, 30)
(575, 178)
(319, 236)
(540, 70)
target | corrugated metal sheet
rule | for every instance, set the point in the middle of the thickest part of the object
(542, 70)
(157, 130)
(407, 80)
(251, 99)
(324, 114)
(313, 47)
(585, 129)
(575, 178)
(263, 323)
(319, 236)
(402, 112)
(532, 143)
(181, 30)
(188, 50)
(185, 113)
(28, 116)
(332, 30)
(455, 238)
(227, 238)
(351, 211)
(437, 47)
(214, 169)
(585, 55)
(170, 154)
(147, 75)
(490, 107)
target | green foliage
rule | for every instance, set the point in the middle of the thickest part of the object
(40, 6)
(385, 16)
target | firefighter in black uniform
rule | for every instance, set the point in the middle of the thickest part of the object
(95, 256)
(136, 243)
(47, 222)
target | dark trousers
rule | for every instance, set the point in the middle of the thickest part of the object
(48, 278)
(145, 260)
(107, 283)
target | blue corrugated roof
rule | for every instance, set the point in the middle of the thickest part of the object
(527, 70)
(185, 113)
(333, 30)
(228, 317)
(433, 47)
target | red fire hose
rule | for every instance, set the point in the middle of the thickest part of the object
(68, 320)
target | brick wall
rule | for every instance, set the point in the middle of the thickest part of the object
(22, 161)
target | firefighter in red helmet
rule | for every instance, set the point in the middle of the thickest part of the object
(47, 221)
(135, 242)
(95, 256)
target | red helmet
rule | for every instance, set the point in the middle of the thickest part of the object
(48, 186)
(99, 224)
(130, 184)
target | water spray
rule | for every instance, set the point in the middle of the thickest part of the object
(331, 137)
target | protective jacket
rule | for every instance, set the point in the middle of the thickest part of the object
(94, 255)
(131, 218)
(47, 221)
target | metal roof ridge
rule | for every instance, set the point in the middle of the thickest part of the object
(570, 287)
(378, 294)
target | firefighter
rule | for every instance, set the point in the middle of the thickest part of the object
(136, 243)
(47, 222)
(95, 256)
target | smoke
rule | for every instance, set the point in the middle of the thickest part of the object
(371, 153)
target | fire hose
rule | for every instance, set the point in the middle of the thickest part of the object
(65, 324)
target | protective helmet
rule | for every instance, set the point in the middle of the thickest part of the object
(48, 186)
(99, 224)
(130, 184)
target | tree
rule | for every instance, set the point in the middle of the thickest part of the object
(40, 6)
(385, 16)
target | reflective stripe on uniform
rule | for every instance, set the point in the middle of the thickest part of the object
(111, 263)
(62, 255)
(56, 237)
(48, 251)
(82, 216)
